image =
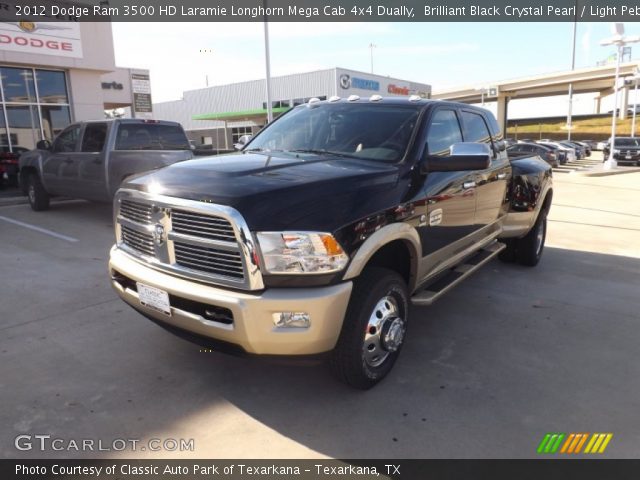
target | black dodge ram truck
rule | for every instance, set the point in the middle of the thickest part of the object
(320, 233)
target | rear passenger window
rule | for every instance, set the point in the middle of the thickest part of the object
(475, 128)
(95, 135)
(151, 136)
(444, 131)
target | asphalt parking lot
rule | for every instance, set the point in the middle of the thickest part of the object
(511, 354)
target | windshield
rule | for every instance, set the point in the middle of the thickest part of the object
(367, 131)
(627, 142)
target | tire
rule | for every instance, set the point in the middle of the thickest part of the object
(38, 196)
(508, 255)
(374, 329)
(529, 248)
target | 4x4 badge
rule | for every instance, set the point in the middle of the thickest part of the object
(435, 217)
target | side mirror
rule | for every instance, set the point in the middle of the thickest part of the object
(43, 145)
(462, 156)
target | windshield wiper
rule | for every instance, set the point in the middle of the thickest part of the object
(322, 152)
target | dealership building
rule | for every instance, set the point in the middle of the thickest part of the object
(55, 73)
(219, 115)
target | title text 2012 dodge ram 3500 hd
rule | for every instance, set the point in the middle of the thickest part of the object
(91, 159)
(317, 237)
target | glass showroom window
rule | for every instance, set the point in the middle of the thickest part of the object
(237, 132)
(35, 105)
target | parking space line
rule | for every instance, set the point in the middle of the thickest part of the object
(39, 229)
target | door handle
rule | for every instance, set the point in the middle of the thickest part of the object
(468, 185)
(502, 176)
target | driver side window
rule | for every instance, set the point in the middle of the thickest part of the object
(444, 131)
(67, 140)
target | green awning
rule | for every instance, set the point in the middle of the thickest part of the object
(244, 115)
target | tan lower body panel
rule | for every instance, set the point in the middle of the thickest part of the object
(253, 328)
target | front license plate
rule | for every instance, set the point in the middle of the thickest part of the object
(154, 298)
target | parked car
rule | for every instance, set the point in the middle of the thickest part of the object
(626, 150)
(9, 163)
(589, 145)
(547, 154)
(91, 159)
(336, 217)
(581, 150)
(569, 151)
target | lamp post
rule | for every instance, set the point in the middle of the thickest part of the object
(483, 92)
(371, 47)
(619, 40)
(268, 69)
(573, 66)
(636, 79)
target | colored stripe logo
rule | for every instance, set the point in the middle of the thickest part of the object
(574, 443)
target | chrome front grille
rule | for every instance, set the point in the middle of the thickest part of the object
(139, 241)
(135, 211)
(198, 240)
(204, 226)
(211, 260)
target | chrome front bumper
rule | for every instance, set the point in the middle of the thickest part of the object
(253, 327)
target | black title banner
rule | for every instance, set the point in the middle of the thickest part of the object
(320, 10)
(320, 469)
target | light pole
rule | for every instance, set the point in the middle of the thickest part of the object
(268, 68)
(371, 47)
(636, 79)
(619, 40)
(573, 66)
(483, 92)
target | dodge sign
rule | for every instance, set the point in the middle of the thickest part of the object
(43, 38)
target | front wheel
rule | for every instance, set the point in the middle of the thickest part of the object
(38, 196)
(374, 329)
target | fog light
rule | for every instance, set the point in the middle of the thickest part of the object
(292, 319)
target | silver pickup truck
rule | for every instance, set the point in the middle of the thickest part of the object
(90, 160)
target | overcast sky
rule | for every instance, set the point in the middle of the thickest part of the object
(440, 54)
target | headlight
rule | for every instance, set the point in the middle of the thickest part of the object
(301, 252)
(616, 151)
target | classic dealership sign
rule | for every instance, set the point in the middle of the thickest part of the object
(397, 90)
(61, 39)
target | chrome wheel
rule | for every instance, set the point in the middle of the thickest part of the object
(32, 193)
(384, 331)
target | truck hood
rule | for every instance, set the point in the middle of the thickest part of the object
(281, 190)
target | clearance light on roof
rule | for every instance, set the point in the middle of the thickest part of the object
(335, 98)
(314, 100)
(375, 98)
(415, 98)
(353, 98)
